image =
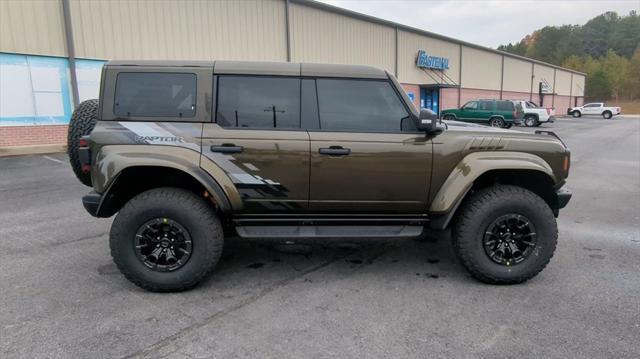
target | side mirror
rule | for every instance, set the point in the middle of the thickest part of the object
(428, 122)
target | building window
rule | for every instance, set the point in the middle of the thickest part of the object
(34, 90)
(258, 102)
(155, 94)
(360, 105)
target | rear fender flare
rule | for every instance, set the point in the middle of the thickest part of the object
(112, 160)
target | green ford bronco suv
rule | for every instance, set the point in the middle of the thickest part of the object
(497, 113)
(186, 153)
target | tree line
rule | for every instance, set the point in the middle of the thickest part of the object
(606, 48)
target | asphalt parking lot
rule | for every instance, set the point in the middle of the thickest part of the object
(61, 295)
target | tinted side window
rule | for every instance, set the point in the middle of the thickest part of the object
(471, 105)
(486, 105)
(592, 105)
(258, 102)
(360, 105)
(151, 94)
(505, 106)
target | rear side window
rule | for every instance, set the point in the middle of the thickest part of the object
(151, 94)
(258, 102)
(486, 105)
(361, 105)
(505, 106)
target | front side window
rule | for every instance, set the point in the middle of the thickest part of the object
(155, 94)
(505, 106)
(258, 102)
(361, 105)
(471, 105)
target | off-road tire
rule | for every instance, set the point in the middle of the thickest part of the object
(82, 122)
(192, 212)
(496, 122)
(531, 121)
(576, 114)
(607, 115)
(484, 207)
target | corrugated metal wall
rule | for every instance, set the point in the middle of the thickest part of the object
(408, 45)
(542, 73)
(481, 69)
(563, 83)
(179, 29)
(321, 36)
(517, 75)
(253, 30)
(32, 27)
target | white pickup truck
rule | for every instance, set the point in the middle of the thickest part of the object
(594, 108)
(534, 115)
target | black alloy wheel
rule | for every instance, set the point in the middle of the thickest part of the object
(163, 244)
(510, 239)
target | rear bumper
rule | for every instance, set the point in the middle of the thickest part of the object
(551, 119)
(563, 195)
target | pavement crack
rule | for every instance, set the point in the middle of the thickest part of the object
(164, 342)
(54, 245)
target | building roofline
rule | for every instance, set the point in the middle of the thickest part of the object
(369, 18)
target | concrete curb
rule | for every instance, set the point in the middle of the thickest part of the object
(32, 150)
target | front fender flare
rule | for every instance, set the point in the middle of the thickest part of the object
(473, 166)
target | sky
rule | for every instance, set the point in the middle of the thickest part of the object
(487, 23)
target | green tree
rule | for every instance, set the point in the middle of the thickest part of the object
(597, 86)
(616, 69)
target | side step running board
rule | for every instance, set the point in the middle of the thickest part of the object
(319, 232)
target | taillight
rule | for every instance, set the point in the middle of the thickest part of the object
(83, 142)
(566, 164)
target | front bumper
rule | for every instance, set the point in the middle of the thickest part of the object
(563, 195)
(91, 202)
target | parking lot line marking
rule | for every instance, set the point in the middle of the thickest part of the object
(52, 159)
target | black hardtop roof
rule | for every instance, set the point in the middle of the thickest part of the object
(266, 68)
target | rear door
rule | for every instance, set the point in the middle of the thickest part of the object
(258, 141)
(592, 109)
(486, 108)
(366, 154)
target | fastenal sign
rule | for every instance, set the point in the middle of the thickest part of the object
(431, 62)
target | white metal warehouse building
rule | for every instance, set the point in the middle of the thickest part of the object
(51, 52)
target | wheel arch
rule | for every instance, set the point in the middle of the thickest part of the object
(481, 169)
(122, 172)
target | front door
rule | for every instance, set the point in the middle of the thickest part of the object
(366, 155)
(429, 98)
(258, 141)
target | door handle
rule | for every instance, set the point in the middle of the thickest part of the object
(335, 151)
(226, 148)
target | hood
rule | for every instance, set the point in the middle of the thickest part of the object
(465, 126)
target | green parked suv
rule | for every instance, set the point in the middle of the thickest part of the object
(497, 113)
(185, 154)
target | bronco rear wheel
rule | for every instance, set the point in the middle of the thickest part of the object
(81, 124)
(166, 240)
(505, 234)
(496, 122)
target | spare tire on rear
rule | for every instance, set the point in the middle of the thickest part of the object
(82, 122)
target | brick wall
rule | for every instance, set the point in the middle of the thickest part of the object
(475, 94)
(561, 103)
(415, 89)
(448, 98)
(32, 135)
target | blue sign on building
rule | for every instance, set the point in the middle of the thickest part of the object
(432, 62)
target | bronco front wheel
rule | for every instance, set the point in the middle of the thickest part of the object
(166, 239)
(505, 234)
